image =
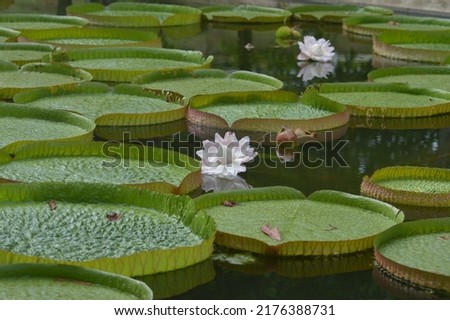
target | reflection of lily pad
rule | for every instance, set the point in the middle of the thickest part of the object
(20, 124)
(37, 75)
(21, 53)
(393, 100)
(418, 252)
(325, 223)
(58, 282)
(246, 14)
(6, 34)
(209, 81)
(127, 231)
(91, 37)
(39, 21)
(172, 283)
(435, 122)
(373, 25)
(420, 76)
(419, 191)
(334, 13)
(422, 46)
(123, 64)
(266, 112)
(122, 14)
(123, 105)
(96, 162)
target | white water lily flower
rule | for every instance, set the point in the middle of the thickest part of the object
(311, 70)
(317, 50)
(225, 156)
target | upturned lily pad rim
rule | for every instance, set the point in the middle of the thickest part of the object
(142, 38)
(9, 33)
(137, 264)
(371, 188)
(395, 267)
(197, 116)
(182, 15)
(407, 70)
(391, 112)
(73, 273)
(31, 17)
(22, 111)
(296, 248)
(209, 11)
(352, 24)
(108, 150)
(113, 119)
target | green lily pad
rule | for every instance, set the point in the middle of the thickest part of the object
(373, 25)
(124, 64)
(392, 100)
(6, 34)
(335, 13)
(37, 75)
(246, 14)
(423, 46)
(266, 112)
(209, 81)
(418, 76)
(123, 14)
(104, 162)
(122, 230)
(59, 282)
(39, 21)
(20, 125)
(420, 192)
(123, 105)
(325, 223)
(92, 37)
(417, 252)
(22, 53)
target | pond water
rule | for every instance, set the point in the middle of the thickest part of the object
(366, 146)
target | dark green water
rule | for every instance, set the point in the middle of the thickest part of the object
(370, 146)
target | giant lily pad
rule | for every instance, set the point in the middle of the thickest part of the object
(21, 124)
(104, 162)
(419, 76)
(373, 25)
(246, 14)
(58, 282)
(37, 75)
(266, 112)
(92, 37)
(123, 64)
(393, 100)
(122, 230)
(122, 14)
(334, 13)
(420, 192)
(39, 21)
(417, 252)
(6, 34)
(123, 105)
(325, 223)
(209, 81)
(424, 46)
(22, 53)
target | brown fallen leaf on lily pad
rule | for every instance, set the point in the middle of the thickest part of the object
(273, 233)
(52, 204)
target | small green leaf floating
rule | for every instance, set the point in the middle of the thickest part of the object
(39, 21)
(335, 13)
(122, 230)
(58, 282)
(124, 64)
(325, 223)
(246, 14)
(418, 252)
(20, 125)
(207, 81)
(37, 76)
(22, 53)
(103, 162)
(393, 100)
(124, 14)
(123, 105)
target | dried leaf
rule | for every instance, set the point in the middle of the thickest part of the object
(113, 216)
(229, 203)
(273, 233)
(52, 204)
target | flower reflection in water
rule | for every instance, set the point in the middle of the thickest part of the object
(311, 70)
